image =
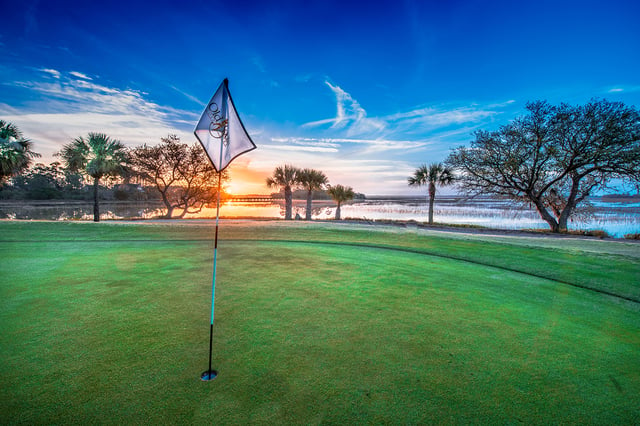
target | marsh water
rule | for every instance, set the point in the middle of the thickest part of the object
(616, 218)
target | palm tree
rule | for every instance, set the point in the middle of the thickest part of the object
(432, 175)
(339, 194)
(96, 156)
(285, 176)
(311, 180)
(15, 151)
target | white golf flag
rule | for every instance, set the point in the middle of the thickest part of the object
(220, 130)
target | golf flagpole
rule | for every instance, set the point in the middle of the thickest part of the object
(211, 373)
(220, 131)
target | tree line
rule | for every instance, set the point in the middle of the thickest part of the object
(178, 174)
(288, 178)
(552, 158)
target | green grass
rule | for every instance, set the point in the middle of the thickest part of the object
(315, 323)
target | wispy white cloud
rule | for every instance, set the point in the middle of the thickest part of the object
(53, 73)
(624, 89)
(352, 120)
(301, 148)
(336, 144)
(188, 96)
(363, 151)
(50, 131)
(319, 123)
(69, 93)
(80, 75)
(327, 143)
(70, 105)
(374, 155)
(434, 117)
(368, 175)
(350, 116)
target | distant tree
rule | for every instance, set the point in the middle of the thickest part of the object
(554, 157)
(41, 182)
(181, 173)
(340, 194)
(311, 180)
(432, 175)
(16, 152)
(285, 177)
(96, 156)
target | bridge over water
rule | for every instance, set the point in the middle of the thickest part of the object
(251, 199)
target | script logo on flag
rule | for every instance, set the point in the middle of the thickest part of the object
(220, 131)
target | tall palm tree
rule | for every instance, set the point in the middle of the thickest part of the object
(432, 175)
(340, 194)
(15, 151)
(311, 180)
(96, 156)
(286, 177)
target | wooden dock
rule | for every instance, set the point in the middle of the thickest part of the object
(250, 199)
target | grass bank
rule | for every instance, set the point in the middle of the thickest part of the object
(315, 323)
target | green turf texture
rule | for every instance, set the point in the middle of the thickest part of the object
(315, 324)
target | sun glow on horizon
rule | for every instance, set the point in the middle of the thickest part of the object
(245, 181)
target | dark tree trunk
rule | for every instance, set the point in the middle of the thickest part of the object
(545, 215)
(167, 204)
(570, 205)
(288, 202)
(309, 203)
(338, 211)
(96, 205)
(564, 218)
(432, 197)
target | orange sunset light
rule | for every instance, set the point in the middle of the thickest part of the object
(244, 181)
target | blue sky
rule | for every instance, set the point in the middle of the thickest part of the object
(365, 91)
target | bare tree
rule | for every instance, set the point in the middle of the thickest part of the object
(554, 157)
(181, 173)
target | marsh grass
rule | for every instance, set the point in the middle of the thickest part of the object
(108, 323)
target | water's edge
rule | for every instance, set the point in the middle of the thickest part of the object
(615, 218)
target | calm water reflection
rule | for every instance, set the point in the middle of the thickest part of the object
(617, 219)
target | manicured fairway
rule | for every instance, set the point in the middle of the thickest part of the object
(315, 323)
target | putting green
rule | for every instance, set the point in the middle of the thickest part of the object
(399, 336)
(306, 332)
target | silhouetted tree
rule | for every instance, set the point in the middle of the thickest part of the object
(181, 173)
(340, 194)
(311, 180)
(554, 157)
(285, 177)
(97, 156)
(432, 175)
(16, 152)
(41, 182)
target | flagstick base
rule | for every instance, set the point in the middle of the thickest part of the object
(208, 375)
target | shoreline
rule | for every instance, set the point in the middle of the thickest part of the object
(617, 222)
(397, 224)
(536, 240)
(410, 224)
